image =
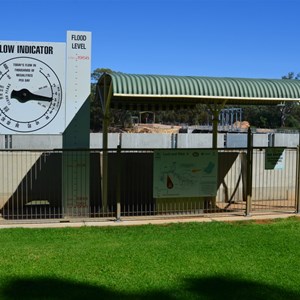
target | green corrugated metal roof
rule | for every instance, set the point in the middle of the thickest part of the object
(193, 89)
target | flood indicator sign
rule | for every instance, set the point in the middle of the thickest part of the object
(30, 94)
(32, 87)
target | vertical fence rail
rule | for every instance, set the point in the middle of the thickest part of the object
(118, 184)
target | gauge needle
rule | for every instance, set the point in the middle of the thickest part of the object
(25, 95)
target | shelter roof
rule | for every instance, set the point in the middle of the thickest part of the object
(173, 90)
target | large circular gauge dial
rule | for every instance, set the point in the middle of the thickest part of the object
(30, 94)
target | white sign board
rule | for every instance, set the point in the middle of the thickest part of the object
(32, 87)
(185, 173)
(43, 85)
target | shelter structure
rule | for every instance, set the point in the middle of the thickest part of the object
(158, 92)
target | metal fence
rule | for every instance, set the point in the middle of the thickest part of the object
(64, 184)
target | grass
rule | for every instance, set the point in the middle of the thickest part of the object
(180, 261)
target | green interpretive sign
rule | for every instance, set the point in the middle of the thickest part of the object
(274, 159)
(185, 173)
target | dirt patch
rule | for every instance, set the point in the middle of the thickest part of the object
(263, 221)
(153, 128)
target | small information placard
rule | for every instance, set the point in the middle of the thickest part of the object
(274, 158)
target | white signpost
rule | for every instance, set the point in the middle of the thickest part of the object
(76, 164)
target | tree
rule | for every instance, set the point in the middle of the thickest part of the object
(291, 75)
(287, 108)
(195, 116)
(262, 116)
(98, 72)
(270, 116)
(96, 110)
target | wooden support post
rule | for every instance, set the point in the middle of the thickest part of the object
(105, 124)
(215, 129)
(215, 110)
(249, 173)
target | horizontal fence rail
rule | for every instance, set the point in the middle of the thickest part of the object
(62, 184)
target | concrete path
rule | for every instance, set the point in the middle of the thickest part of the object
(135, 221)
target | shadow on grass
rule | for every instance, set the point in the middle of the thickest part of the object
(221, 287)
(57, 289)
(210, 288)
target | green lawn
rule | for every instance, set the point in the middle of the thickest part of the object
(213, 261)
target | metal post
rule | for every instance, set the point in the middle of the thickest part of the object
(249, 173)
(107, 98)
(215, 129)
(118, 196)
(231, 118)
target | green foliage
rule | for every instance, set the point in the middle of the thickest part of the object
(262, 116)
(179, 261)
(98, 72)
(291, 75)
(95, 107)
(196, 116)
(288, 115)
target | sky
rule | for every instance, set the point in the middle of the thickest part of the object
(219, 38)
